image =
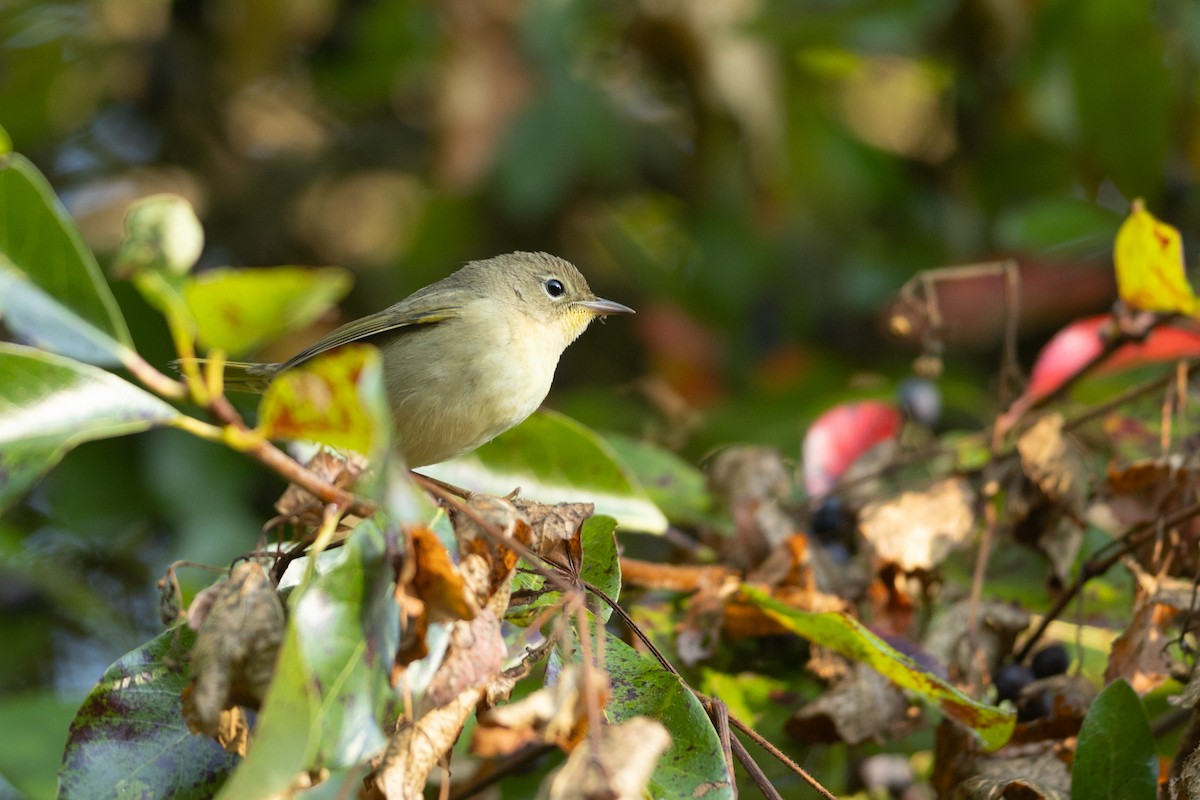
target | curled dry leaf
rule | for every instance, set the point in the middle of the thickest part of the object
(917, 530)
(234, 655)
(436, 581)
(1149, 490)
(1050, 460)
(475, 656)
(555, 715)
(619, 768)
(307, 511)
(552, 524)
(417, 747)
(429, 589)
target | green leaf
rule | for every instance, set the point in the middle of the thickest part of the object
(1115, 757)
(129, 738)
(51, 290)
(554, 459)
(5, 143)
(348, 622)
(844, 634)
(238, 310)
(50, 404)
(336, 399)
(694, 765)
(675, 486)
(330, 693)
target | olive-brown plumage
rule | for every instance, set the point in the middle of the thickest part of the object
(468, 357)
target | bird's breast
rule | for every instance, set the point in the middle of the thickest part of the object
(471, 379)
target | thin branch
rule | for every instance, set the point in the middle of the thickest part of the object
(744, 757)
(1098, 564)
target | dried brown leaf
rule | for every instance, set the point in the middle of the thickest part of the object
(554, 715)
(619, 769)
(1052, 462)
(341, 470)
(918, 529)
(436, 581)
(234, 655)
(496, 559)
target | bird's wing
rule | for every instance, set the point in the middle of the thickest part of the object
(389, 319)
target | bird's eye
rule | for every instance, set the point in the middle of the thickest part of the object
(554, 287)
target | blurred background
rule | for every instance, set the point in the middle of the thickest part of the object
(757, 178)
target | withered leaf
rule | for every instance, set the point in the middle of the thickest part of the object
(555, 715)
(1051, 461)
(918, 529)
(436, 581)
(502, 517)
(620, 768)
(234, 655)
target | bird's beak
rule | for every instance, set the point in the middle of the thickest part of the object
(602, 308)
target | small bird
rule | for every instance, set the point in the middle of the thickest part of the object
(468, 357)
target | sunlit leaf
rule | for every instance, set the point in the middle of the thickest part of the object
(336, 399)
(129, 738)
(1149, 263)
(52, 293)
(49, 404)
(555, 459)
(1115, 758)
(845, 635)
(237, 310)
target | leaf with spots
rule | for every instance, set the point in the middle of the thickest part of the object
(693, 766)
(129, 738)
(845, 635)
(336, 399)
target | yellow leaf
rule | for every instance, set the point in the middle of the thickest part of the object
(1149, 261)
(336, 399)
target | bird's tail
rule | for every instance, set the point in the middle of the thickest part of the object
(240, 376)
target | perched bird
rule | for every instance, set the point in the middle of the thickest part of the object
(468, 357)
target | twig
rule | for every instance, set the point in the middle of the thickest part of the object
(744, 757)
(1097, 565)
(514, 763)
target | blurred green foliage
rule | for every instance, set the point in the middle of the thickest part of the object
(757, 178)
